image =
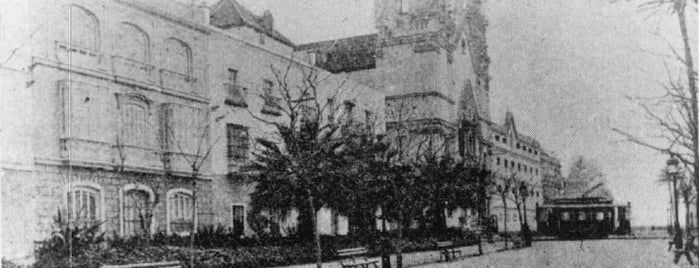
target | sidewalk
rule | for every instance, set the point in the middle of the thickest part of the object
(420, 258)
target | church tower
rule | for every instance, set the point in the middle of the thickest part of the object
(432, 60)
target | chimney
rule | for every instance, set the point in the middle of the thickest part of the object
(267, 21)
(205, 13)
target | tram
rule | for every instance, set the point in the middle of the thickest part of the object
(583, 217)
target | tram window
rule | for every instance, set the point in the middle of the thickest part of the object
(565, 216)
(581, 216)
(600, 216)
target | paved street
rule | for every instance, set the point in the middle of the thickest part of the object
(597, 253)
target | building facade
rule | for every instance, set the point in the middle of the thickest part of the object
(118, 109)
(247, 84)
(516, 160)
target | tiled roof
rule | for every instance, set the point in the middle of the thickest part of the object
(229, 13)
(344, 55)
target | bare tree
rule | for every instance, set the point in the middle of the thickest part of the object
(191, 143)
(678, 115)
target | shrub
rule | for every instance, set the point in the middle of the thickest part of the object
(67, 242)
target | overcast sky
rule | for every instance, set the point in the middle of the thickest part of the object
(564, 68)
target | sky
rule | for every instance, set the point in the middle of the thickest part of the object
(564, 68)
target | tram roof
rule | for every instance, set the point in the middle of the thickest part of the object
(588, 205)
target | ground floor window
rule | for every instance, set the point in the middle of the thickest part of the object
(83, 206)
(135, 212)
(238, 220)
(180, 211)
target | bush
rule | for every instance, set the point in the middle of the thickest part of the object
(216, 246)
(67, 242)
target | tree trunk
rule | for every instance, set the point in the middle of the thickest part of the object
(316, 235)
(398, 245)
(504, 220)
(686, 217)
(193, 230)
(689, 62)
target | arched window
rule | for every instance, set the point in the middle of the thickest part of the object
(180, 216)
(136, 204)
(178, 57)
(84, 204)
(134, 120)
(134, 125)
(133, 43)
(83, 29)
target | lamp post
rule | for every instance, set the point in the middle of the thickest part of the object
(673, 171)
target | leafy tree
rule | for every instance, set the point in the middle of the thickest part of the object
(305, 167)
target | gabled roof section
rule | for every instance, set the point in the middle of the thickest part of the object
(510, 123)
(227, 14)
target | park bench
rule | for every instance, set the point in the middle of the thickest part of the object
(358, 258)
(169, 264)
(447, 250)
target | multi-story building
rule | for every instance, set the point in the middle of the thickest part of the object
(116, 96)
(426, 59)
(430, 61)
(247, 82)
(516, 159)
(112, 106)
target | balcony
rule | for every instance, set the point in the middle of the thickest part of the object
(272, 105)
(132, 69)
(235, 95)
(78, 56)
(177, 81)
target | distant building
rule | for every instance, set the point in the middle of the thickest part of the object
(518, 155)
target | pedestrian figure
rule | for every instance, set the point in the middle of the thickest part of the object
(686, 251)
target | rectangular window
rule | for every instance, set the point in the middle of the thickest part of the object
(267, 87)
(233, 76)
(272, 103)
(235, 94)
(369, 120)
(497, 162)
(238, 217)
(497, 138)
(331, 110)
(238, 142)
(349, 110)
(404, 6)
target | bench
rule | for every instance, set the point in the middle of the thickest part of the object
(358, 258)
(169, 264)
(447, 250)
